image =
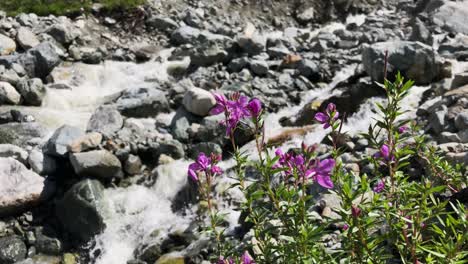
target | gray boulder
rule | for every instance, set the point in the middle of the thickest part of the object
(26, 38)
(20, 188)
(414, 60)
(452, 15)
(132, 165)
(259, 67)
(7, 45)
(12, 250)
(142, 102)
(12, 151)
(40, 163)
(82, 210)
(198, 101)
(161, 23)
(8, 94)
(106, 120)
(62, 137)
(185, 35)
(250, 41)
(63, 32)
(40, 60)
(459, 80)
(32, 90)
(461, 120)
(99, 163)
(205, 147)
(86, 142)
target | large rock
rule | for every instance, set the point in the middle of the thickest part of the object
(20, 188)
(106, 120)
(12, 151)
(198, 101)
(161, 23)
(40, 163)
(64, 32)
(32, 90)
(21, 133)
(88, 141)
(8, 94)
(414, 60)
(452, 15)
(185, 35)
(82, 210)
(26, 38)
(461, 120)
(251, 41)
(62, 137)
(99, 163)
(40, 60)
(12, 250)
(142, 102)
(7, 45)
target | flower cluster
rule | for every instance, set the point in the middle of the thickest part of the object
(206, 165)
(245, 259)
(315, 169)
(235, 109)
(329, 117)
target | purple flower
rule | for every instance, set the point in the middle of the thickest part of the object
(221, 104)
(321, 172)
(345, 227)
(255, 107)
(204, 164)
(402, 129)
(328, 117)
(246, 258)
(384, 153)
(379, 187)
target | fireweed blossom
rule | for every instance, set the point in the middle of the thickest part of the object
(206, 165)
(379, 186)
(317, 170)
(235, 109)
(403, 129)
(328, 117)
(246, 258)
(384, 153)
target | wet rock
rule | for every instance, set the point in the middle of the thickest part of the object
(171, 148)
(20, 188)
(207, 54)
(47, 245)
(86, 142)
(437, 121)
(420, 32)
(309, 69)
(62, 137)
(40, 163)
(7, 45)
(251, 41)
(9, 75)
(106, 120)
(8, 94)
(99, 163)
(132, 165)
(142, 102)
(82, 210)
(460, 80)
(12, 250)
(198, 101)
(461, 120)
(26, 38)
(414, 60)
(205, 147)
(20, 134)
(32, 90)
(12, 151)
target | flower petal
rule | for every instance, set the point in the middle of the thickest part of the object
(321, 117)
(324, 181)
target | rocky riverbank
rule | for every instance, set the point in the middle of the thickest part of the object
(100, 113)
